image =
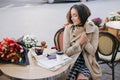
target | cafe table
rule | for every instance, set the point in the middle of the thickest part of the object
(114, 28)
(32, 71)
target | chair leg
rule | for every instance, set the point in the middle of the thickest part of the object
(113, 75)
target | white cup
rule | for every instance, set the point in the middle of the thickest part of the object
(59, 56)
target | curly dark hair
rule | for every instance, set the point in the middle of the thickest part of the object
(83, 13)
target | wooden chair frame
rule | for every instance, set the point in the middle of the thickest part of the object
(58, 39)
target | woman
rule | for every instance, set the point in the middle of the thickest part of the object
(81, 36)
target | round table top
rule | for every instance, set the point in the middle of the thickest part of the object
(113, 24)
(32, 71)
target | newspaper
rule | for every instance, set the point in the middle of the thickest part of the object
(51, 64)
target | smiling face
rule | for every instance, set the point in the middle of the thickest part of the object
(75, 17)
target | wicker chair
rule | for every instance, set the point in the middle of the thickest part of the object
(107, 52)
(58, 39)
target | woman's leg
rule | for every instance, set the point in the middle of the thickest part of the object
(82, 77)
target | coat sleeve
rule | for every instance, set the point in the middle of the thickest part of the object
(68, 48)
(92, 44)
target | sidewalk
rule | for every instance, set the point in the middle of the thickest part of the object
(107, 72)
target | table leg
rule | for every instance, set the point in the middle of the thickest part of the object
(1, 73)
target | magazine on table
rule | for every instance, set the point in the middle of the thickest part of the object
(49, 61)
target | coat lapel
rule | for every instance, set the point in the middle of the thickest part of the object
(76, 33)
(88, 28)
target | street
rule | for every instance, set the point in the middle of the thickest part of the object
(18, 18)
(17, 3)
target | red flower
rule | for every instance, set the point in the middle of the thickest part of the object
(10, 50)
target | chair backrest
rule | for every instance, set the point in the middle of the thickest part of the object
(107, 47)
(58, 39)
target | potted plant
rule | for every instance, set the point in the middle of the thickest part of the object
(114, 16)
(98, 21)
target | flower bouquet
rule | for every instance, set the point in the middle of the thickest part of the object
(114, 16)
(12, 52)
(28, 41)
(97, 21)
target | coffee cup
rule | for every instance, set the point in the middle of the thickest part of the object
(38, 51)
(59, 56)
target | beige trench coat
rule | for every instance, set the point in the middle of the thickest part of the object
(71, 46)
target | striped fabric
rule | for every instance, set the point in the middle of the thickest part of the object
(78, 67)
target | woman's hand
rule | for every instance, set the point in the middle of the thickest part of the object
(83, 38)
